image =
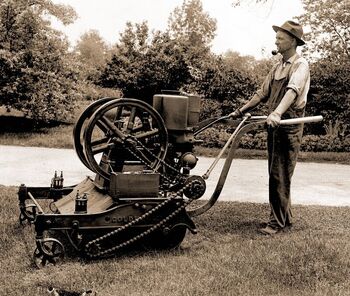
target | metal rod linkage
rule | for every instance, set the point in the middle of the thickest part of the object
(40, 210)
(208, 172)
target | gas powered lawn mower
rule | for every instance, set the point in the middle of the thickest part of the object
(143, 193)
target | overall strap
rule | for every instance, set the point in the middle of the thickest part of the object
(278, 90)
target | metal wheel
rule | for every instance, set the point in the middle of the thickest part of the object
(124, 130)
(75, 238)
(28, 215)
(80, 125)
(49, 251)
(166, 239)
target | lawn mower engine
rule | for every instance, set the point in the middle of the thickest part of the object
(142, 156)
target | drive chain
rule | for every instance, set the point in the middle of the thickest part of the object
(92, 248)
(100, 253)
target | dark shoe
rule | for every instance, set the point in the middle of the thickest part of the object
(263, 224)
(268, 230)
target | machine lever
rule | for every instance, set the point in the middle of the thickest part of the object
(208, 172)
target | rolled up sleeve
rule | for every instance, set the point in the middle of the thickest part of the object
(299, 77)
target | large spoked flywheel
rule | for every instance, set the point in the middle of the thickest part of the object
(80, 125)
(123, 131)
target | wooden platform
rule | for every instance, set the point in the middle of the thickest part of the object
(97, 201)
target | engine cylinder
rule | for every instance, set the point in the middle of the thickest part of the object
(173, 109)
(180, 114)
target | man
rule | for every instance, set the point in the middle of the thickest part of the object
(284, 91)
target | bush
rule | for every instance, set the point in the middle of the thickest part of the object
(254, 141)
(209, 108)
(325, 143)
(216, 138)
(90, 92)
(213, 138)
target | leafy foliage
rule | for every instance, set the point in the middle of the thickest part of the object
(179, 58)
(327, 48)
(194, 30)
(92, 53)
(219, 80)
(329, 41)
(330, 30)
(37, 72)
(327, 143)
(236, 3)
(39, 75)
(217, 138)
(210, 108)
(192, 25)
(330, 91)
(142, 67)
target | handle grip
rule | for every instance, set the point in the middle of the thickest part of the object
(307, 119)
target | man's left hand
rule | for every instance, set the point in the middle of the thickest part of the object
(273, 119)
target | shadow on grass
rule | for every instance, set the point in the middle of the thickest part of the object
(133, 251)
(243, 219)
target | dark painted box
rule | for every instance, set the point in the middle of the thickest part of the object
(134, 184)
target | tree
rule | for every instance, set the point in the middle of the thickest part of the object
(194, 30)
(327, 48)
(329, 22)
(329, 45)
(256, 69)
(329, 94)
(192, 25)
(93, 53)
(236, 3)
(144, 65)
(180, 58)
(220, 81)
(37, 74)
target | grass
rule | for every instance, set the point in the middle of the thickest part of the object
(54, 137)
(226, 257)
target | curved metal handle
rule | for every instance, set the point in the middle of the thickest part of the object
(258, 122)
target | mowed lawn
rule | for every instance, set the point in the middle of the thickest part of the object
(226, 257)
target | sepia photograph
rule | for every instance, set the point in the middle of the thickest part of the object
(174, 147)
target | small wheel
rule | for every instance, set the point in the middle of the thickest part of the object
(124, 130)
(29, 215)
(48, 252)
(80, 125)
(23, 221)
(75, 238)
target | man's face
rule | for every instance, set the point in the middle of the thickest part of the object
(284, 41)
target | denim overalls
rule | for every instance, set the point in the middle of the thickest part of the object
(283, 147)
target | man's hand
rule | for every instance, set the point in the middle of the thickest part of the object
(273, 119)
(236, 114)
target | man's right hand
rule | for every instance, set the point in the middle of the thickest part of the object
(236, 114)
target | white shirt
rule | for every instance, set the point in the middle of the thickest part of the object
(297, 69)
